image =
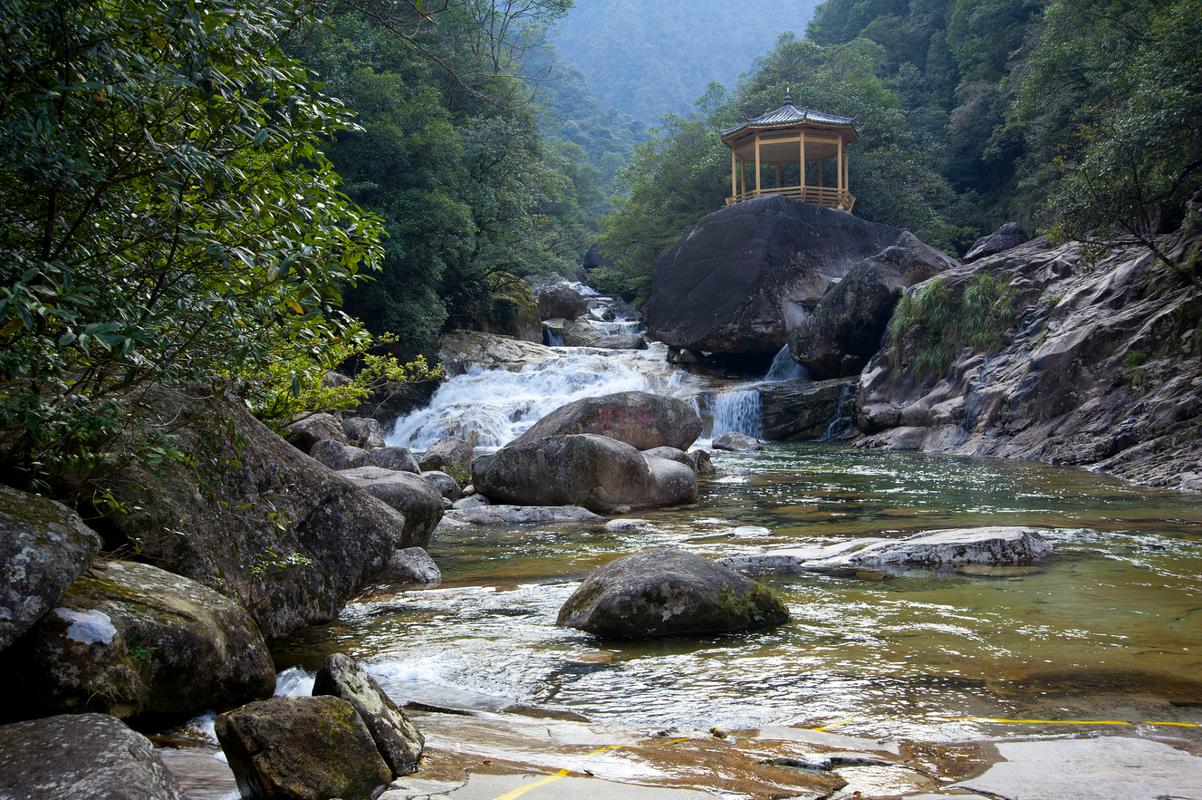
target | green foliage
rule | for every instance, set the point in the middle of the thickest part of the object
(931, 326)
(683, 171)
(1109, 104)
(166, 213)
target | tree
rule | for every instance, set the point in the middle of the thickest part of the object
(166, 213)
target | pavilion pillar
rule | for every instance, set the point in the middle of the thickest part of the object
(734, 175)
(757, 163)
(847, 171)
(742, 178)
(839, 169)
(802, 182)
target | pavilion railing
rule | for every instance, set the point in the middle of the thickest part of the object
(819, 195)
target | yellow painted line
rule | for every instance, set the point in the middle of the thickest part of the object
(563, 773)
(829, 725)
(1177, 724)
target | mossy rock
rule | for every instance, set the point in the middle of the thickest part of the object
(666, 592)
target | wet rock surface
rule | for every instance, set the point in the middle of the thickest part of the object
(92, 756)
(667, 592)
(411, 565)
(253, 507)
(586, 470)
(1099, 368)
(44, 546)
(132, 640)
(301, 748)
(640, 419)
(460, 350)
(560, 301)
(746, 275)
(798, 410)
(397, 739)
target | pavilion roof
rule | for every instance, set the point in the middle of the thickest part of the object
(790, 115)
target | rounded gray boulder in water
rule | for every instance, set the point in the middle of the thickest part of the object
(640, 419)
(666, 592)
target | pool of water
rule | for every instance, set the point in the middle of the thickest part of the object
(1110, 627)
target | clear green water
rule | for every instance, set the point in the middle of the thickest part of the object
(1111, 628)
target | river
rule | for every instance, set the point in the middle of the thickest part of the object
(1108, 628)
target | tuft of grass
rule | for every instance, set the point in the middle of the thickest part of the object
(935, 323)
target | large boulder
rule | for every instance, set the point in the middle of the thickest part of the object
(799, 410)
(747, 274)
(561, 301)
(397, 739)
(846, 327)
(1004, 238)
(252, 517)
(339, 455)
(301, 748)
(640, 419)
(395, 458)
(92, 756)
(417, 498)
(129, 640)
(666, 592)
(411, 565)
(450, 451)
(313, 428)
(44, 546)
(364, 432)
(596, 472)
(735, 442)
(444, 483)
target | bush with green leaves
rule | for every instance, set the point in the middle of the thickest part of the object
(166, 213)
(932, 325)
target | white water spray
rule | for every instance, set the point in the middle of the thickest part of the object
(784, 368)
(738, 411)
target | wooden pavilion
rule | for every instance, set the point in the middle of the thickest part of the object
(783, 140)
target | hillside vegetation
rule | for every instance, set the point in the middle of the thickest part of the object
(1073, 117)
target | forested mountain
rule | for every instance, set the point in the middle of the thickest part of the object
(1074, 117)
(651, 59)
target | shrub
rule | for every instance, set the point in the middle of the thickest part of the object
(930, 326)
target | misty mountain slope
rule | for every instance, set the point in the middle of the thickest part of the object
(651, 59)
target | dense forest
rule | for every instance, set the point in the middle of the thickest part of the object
(1072, 117)
(260, 192)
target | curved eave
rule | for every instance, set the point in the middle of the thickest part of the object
(747, 127)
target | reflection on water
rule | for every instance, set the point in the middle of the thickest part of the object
(1110, 627)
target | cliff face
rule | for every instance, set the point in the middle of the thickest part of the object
(1101, 368)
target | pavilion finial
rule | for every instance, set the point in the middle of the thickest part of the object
(788, 96)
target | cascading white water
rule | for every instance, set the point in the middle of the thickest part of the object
(494, 406)
(784, 368)
(497, 405)
(738, 411)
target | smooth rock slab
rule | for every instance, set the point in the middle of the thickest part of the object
(522, 515)
(301, 748)
(44, 546)
(338, 455)
(666, 592)
(1109, 767)
(81, 757)
(397, 739)
(946, 548)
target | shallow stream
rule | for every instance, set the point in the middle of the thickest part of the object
(1108, 628)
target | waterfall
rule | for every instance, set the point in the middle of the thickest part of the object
(840, 422)
(738, 410)
(784, 368)
(551, 338)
